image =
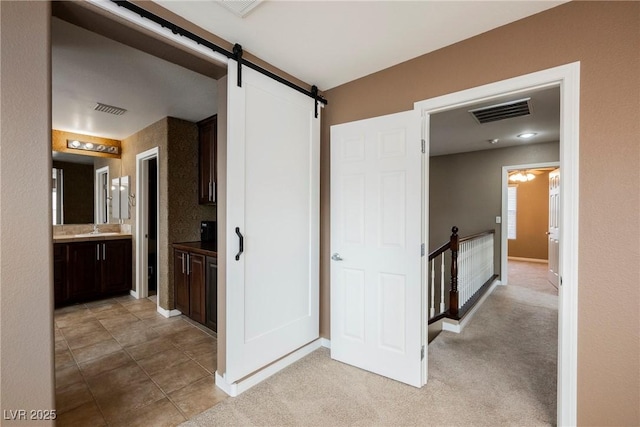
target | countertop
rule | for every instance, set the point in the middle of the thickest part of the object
(203, 248)
(88, 237)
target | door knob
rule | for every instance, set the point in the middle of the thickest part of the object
(336, 257)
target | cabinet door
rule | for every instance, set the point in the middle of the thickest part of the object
(181, 281)
(211, 294)
(116, 266)
(83, 281)
(59, 273)
(196, 287)
(207, 134)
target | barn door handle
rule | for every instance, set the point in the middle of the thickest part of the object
(241, 240)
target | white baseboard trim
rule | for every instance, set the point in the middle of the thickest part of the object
(168, 313)
(133, 294)
(239, 387)
(517, 258)
(325, 343)
(458, 325)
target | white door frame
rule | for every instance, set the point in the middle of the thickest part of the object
(142, 218)
(98, 200)
(567, 78)
(504, 270)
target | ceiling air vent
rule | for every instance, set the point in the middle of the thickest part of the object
(109, 109)
(506, 110)
(239, 8)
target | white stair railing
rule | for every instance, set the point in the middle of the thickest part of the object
(471, 268)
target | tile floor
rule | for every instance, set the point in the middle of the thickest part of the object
(120, 363)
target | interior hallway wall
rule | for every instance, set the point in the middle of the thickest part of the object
(465, 190)
(26, 269)
(604, 37)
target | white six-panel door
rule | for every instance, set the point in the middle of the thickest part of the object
(554, 226)
(376, 236)
(273, 182)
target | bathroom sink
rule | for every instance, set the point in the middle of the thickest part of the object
(96, 234)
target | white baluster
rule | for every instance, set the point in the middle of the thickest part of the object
(442, 308)
(432, 309)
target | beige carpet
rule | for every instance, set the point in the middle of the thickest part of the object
(500, 371)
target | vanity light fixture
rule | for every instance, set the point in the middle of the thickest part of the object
(89, 146)
(527, 135)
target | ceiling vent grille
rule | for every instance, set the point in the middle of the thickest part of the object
(506, 110)
(117, 111)
(239, 8)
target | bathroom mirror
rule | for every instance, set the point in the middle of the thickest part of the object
(72, 189)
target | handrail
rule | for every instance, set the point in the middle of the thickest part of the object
(454, 245)
(445, 247)
(475, 236)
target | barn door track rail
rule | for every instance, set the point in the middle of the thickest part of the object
(235, 55)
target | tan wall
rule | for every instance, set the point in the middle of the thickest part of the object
(78, 189)
(532, 219)
(26, 291)
(184, 211)
(604, 37)
(472, 200)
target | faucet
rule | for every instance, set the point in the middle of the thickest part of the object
(95, 229)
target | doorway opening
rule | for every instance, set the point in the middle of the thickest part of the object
(567, 79)
(152, 222)
(147, 224)
(535, 242)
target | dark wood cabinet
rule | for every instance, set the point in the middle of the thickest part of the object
(91, 270)
(196, 287)
(181, 281)
(194, 273)
(59, 273)
(83, 265)
(211, 292)
(207, 135)
(116, 266)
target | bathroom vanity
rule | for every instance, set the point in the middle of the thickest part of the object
(91, 266)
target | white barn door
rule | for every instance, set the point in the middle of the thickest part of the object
(377, 320)
(273, 185)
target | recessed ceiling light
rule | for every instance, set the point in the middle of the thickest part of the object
(527, 135)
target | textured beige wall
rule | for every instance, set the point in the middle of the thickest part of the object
(184, 212)
(532, 219)
(26, 291)
(222, 224)
(604, 37)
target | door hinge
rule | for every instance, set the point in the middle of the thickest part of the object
(422, 249)
(422, 353)
(424, 148)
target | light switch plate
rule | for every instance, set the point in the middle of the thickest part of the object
(498, 220)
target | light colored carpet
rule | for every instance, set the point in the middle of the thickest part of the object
(500, 371)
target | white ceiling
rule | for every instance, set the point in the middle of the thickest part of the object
(88, 68)
(456, 131)
(326, 43)
(329, 43)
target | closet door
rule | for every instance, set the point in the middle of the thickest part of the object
(273, 182)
